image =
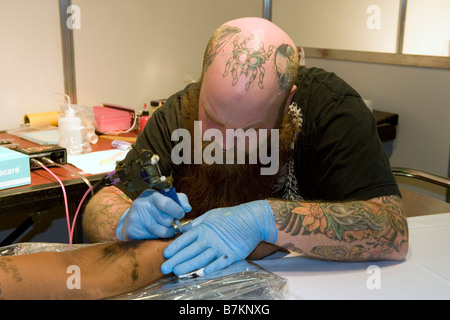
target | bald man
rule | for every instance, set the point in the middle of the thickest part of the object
(332, 195)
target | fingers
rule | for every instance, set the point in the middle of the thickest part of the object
(138, 234)
(197, 262)
(152, 215)
(184, 202)
(159, 231)
(222, 262)
(175, 253)
(189, 253)
(209, 257)
(168, 206)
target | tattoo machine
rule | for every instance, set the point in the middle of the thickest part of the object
(144, 173)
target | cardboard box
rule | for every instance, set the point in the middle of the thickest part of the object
(14, 169)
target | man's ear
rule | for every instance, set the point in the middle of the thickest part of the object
(289, 99)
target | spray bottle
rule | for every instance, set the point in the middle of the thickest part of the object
(145, 115)
(70, 128)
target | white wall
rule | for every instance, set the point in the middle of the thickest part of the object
(30, 59)
(366, 25)
(126, 52)
(427, 27)
(131, 54)
(421, 98)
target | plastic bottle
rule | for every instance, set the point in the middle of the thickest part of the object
(145, 115)
(155, 104)
(71, 131)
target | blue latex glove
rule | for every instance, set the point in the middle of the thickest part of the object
(221, 237)
(151, 216)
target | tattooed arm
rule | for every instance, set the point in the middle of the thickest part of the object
(105, 270)
(349, 231)
(103, 213)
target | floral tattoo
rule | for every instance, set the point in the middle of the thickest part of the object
(355, 231)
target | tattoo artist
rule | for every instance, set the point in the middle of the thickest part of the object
(333, 196)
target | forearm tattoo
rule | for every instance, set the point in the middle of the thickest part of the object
(104, 213)
(118, 249)
(350, 231)
(7, 268)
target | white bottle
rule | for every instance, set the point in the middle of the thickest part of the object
(71, 132)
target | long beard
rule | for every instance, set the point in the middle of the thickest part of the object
(210, 186)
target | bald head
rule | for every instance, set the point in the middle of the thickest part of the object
(249, 69)
(251, 43)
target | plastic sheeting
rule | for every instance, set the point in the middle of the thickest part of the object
(242, 280)
(33, 247)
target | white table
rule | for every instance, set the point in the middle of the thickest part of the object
(424, 274)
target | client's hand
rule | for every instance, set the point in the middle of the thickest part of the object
(221, 237)
(151, 216)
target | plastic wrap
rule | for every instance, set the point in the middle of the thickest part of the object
(33, 247)
(242, 280)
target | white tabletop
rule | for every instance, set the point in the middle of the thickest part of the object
(424, 274)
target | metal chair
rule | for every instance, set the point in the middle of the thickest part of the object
(418, 204)
(421, 175)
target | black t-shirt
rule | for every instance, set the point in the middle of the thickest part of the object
(338, 156)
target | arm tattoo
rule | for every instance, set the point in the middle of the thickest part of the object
(118, 249)
(355, 230)
(8, 267)
(104, 213)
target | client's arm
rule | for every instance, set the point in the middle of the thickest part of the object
(105, 270)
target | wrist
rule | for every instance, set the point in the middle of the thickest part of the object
(271, 229)
(266, 221)
(122, 226)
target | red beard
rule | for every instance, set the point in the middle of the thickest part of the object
(225, 185)
(222, 185)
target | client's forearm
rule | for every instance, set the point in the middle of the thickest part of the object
(101, 271)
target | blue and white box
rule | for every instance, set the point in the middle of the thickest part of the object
(14, 169)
